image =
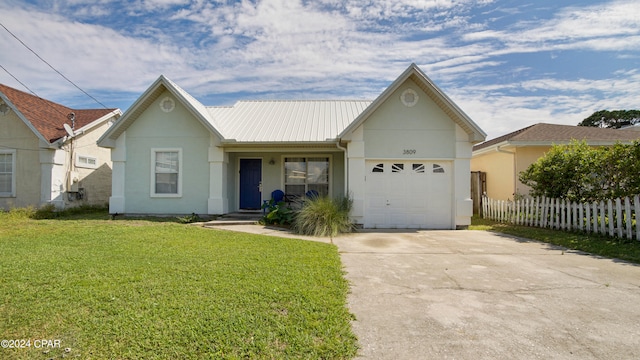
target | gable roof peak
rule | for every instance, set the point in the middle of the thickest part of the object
(413, 72)
(161, 84)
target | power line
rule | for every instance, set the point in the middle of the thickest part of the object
(54, 69)
(31, 91)
(16, 79)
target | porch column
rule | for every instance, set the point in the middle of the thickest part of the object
(52, 176)
(119, 160)
(357, 171)
(218, 202)
(463, 205)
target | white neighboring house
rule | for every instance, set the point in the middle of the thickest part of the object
(404, 158)
(49, 154)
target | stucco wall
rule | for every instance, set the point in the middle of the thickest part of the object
(16, 135)
(395, 131)
(157, 129)
(500, 173)
(525, 156)
(96, 182)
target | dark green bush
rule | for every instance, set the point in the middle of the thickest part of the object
(49, 211)
(580, 172)
(277, 213)
(188, 219)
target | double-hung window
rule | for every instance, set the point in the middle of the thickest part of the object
(304, 174)
(7, 173)
(166, 172)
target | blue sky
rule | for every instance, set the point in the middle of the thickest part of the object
(507, 64)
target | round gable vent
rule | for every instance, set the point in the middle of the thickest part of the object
(167, 104)
(409, 97)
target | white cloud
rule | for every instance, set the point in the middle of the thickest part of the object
(93, 56)
(330, 48)
(608, 26)
(498, 111)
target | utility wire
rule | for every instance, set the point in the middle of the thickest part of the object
(54, 69)
(18, 80)
(31, 91)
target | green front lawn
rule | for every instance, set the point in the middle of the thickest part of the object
(160, 290)
(623, 249)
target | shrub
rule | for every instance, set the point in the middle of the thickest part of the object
(189, 219)
(579, 172)
(565, 171)
(323, 216)
(19, 213)
(47, 211)
(277, 213)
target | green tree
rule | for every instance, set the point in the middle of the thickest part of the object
(612, 119)
(565, 171)
(579, 172)
(619, 170)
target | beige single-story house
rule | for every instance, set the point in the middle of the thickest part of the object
(403, 158)
(505, 157)
(49, 154)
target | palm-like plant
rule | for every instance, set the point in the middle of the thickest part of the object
(324, 216)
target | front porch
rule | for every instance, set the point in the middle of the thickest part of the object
(254, 175)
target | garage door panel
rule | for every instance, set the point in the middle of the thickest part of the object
(408, 194)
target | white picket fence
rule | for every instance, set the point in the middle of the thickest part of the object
(613, 217)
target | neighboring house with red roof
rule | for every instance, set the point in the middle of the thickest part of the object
(48, 152)
(503, 158)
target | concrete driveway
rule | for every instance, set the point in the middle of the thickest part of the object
(479, 295)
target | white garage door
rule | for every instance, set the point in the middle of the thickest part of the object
(408, 194)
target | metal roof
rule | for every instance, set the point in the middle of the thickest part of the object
(286, 120)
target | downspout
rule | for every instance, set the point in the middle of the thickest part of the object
(346, 168)
(515, 178)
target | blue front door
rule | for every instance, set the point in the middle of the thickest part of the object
(250, 178)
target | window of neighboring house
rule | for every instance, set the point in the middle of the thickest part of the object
(86, 161)
(166, 172)
(7, 173)
(303, 174)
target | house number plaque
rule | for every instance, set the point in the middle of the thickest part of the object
(408, 152)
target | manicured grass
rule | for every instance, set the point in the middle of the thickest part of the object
(594, 244)
(139, 289)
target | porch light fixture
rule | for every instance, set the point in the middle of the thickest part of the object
(272, 162)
